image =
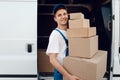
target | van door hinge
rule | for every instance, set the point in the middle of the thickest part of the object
(113, 17)
(119, 50)
(111, 69)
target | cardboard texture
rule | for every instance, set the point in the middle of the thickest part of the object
(87, 69)
(79, 23)
(43, 62)
(83, 47)
(81, 32)
(77, 15)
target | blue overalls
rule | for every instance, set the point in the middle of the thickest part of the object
(57, 74)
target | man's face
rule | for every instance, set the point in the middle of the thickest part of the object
(61, 17)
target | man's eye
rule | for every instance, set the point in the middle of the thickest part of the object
(59, 15)
(65, 13)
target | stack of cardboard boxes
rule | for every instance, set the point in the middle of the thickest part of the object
(84, 60)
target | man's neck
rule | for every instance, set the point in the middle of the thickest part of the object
(63, 28)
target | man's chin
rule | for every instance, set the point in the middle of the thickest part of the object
(64, 24)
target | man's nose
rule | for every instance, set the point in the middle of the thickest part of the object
(63, 16)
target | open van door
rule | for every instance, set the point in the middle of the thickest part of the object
(115, 60)
(18, 39)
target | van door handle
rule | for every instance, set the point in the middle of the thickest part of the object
(29, 48)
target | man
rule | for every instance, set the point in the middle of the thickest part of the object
(58, 46)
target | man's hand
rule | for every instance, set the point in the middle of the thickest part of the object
(73, 77)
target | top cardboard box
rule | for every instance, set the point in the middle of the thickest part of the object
(78, 15)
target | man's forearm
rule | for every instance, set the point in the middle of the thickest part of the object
(58, 66)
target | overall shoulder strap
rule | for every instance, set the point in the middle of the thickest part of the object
(66, 41)
(61, 33)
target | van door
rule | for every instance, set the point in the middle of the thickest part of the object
(18, 39)
(115, 67)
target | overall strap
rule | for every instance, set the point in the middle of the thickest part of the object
(66, 41)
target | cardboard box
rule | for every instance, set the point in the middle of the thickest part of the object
(83, 47)
(87, 69)
(43, 62)
(81, 32)
(79, 23)
(77, 15)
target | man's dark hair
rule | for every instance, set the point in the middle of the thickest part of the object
(58, 7)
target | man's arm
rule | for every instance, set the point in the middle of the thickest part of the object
(60, 68)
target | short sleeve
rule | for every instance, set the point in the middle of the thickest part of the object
(53, 45)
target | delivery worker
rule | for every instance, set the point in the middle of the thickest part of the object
(58, 44)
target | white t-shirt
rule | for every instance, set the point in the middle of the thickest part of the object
(57, 44)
